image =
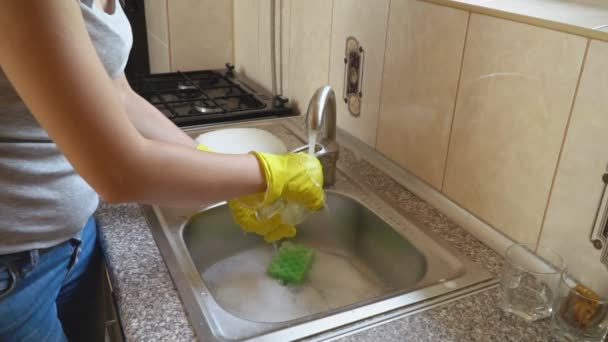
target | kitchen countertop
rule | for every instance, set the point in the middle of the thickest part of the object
(150, 309)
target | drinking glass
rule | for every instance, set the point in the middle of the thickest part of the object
(580, 313)
(529, 279)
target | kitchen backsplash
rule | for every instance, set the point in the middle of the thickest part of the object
(189, 34)
(424, 48)
(507, 119)
(367, 22)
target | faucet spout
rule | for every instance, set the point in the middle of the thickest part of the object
(321, 117)
(321, 113)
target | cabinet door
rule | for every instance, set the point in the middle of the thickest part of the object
(112, 331)
(516, 91)
(578, 185)
(367, 22)
(424, 49)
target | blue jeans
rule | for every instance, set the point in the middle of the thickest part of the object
(51, 294)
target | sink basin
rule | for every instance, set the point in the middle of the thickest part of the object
(371, 263)
(358, 257)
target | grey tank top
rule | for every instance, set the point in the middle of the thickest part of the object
(43, 202)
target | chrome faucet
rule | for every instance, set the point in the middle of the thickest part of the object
(321, 117)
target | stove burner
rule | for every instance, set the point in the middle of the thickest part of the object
(184, 86)
(206, 107)
(188, 94)
(208, 96)
(187, 91)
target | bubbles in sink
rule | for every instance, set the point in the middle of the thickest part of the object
(242, 287)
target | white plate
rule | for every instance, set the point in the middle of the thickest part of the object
(242, 140)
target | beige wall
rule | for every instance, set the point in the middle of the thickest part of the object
(367, 22)
(527, 141)
(189, 34)
(252, 40)
(157, 25)
(309, 27)
(515, 94)
(486, 110)
(578, 185)
(302, 65)
(424, 50)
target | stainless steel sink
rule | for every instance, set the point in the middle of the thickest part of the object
(358, 257)
(369, 260)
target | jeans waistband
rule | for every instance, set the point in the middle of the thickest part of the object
(31, 257)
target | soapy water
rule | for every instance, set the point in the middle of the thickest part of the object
(241, 286)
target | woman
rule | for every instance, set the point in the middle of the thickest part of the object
(72, 128)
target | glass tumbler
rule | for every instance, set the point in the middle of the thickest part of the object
(580, 313)
(529, 279)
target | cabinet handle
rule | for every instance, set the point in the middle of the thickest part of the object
(599, 231)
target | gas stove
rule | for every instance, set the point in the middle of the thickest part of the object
(201, 97)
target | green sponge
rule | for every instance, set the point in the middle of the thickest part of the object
(291, 262)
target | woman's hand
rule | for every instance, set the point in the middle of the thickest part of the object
(296, 178)
(272, 229)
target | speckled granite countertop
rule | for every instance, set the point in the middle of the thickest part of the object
(150, 308)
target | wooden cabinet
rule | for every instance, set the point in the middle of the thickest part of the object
(366, 21)
(111, 329)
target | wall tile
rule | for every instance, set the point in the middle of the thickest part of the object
(308, 54)
(578, 185)
(516, 90)
(159, 55)
(158, 36)
(422, 65)
(201, 34)
(252, 33)
(264, 34)
(156, 19)
(246, 37)
(366, 21)
(283, 49)
(583, 13)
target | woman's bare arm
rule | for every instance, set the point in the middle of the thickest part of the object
(146, 118)
(46, 53)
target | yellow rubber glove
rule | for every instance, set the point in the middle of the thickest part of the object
(202, 147)
(272, 229)
(296, 178)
